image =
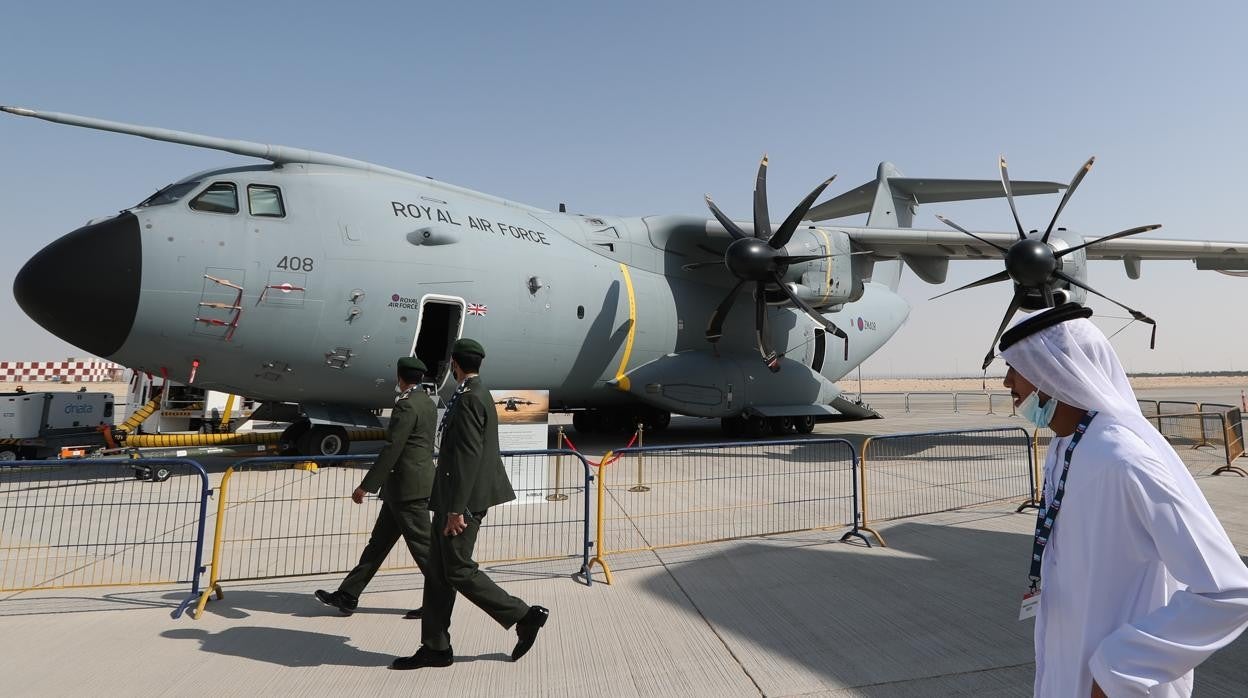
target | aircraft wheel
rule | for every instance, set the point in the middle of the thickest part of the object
(160, 473)
(9, 453)
(733, 426)
(755, 426)
(779, 426)
(613, 421)
(288, 444)
(324, 440)
(657, 420)
(585, 421)
(804, 425)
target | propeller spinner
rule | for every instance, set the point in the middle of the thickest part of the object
(760, 258)
(1036, 266)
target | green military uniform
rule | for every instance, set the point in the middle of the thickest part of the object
(404, 473)
(470, 479)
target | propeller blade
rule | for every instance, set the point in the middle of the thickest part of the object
(1135, 314)
(1046, 292)
(770, 357)
(733, 229)
(1009, 195)
(1074, 184)
(715, 328)
(762, 223)
(814, 314)
(789, 226)
(697, 265)
(1015, 304)
(960, 229)
(1120, 234)
(1002, 275)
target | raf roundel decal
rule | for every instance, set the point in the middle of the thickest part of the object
(394, 298)
(860, 323)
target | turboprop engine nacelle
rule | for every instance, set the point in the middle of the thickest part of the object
(827, 283)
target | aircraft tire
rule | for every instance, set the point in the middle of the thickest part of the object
(160, 473)
(324, 440)
(779, 426)
(657, 420)
(755, 426)
(804, 424)
(584, 421)
(9, 453)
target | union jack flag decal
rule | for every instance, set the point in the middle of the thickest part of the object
(476, 309)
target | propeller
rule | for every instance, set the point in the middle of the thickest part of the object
(1035, 266)
(760, 258)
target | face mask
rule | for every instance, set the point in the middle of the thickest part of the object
(1034, 413)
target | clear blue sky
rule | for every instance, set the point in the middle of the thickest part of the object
(642, 107)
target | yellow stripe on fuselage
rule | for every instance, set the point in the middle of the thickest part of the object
(621, 381)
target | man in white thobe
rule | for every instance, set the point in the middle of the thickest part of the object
(1139, 582)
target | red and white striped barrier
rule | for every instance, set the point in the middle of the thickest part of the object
(93, 371)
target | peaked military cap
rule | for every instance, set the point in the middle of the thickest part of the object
(1043, 321)
(412, 363)
(468, 346)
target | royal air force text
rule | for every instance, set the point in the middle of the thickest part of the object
(440, 215)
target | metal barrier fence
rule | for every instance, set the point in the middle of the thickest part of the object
(95, 523)
(657, 497)
(1208, 442)
(284, 517)
(1149, 408)
(968, 402)
(1177, 407)
(905, 475)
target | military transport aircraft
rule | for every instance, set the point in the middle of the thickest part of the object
(300, 280)
(512, 404)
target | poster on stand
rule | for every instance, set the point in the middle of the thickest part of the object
(523, 416)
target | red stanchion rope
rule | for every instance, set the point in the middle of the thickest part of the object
(599, 464)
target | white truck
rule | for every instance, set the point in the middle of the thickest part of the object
(39, 424)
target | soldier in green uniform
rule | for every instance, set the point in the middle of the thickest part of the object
(404, 474)
(470, 479)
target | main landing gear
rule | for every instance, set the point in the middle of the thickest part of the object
(755, 426)
(304, 438)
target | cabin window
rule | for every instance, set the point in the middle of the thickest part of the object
(219, 197)
(169, 194)
(265, 200)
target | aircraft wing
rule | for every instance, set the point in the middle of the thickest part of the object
(891, 243)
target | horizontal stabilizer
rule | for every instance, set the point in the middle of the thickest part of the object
(926, 191)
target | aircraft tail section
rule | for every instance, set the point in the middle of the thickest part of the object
(889, 209)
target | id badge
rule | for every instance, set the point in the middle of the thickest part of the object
(1031, 605)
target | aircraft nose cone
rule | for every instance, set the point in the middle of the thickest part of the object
(84, 287)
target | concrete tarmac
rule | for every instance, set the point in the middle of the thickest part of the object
(799, 614)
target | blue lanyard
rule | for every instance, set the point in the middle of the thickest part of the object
(1048, 513)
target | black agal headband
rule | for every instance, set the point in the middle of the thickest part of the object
(1043, 321)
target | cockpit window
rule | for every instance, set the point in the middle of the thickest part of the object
(265, 200)
(220, 197)
(169, 194)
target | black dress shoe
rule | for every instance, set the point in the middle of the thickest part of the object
(425, 657)
(527, 629)
(338, 600)
(414, 614)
